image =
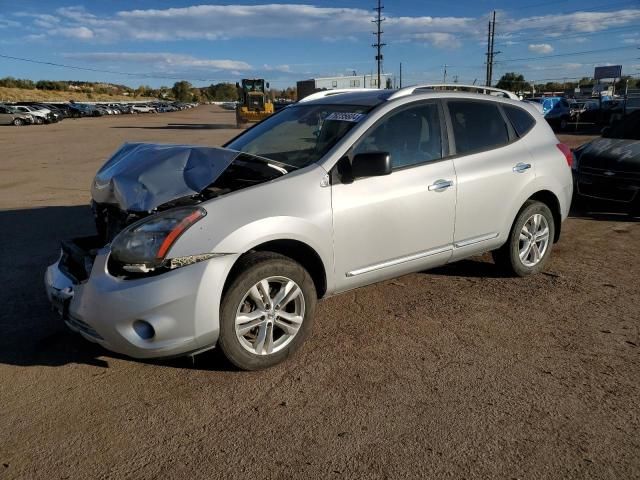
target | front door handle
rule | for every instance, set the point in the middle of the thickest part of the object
(521, 167)
(440, 185)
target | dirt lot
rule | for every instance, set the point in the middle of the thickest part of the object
(452, 373)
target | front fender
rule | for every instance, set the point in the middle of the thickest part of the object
(293, 207)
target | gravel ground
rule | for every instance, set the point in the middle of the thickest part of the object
(453, 373)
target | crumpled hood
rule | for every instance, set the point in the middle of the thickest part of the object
(141, 176)
(611, 153)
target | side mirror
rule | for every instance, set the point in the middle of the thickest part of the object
(373, 164)
(237, 85)
(267, 84)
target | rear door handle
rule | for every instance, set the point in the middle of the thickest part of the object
(521, 167)
(440, 185)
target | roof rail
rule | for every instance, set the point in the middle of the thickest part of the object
(335, 91)
(454, 87)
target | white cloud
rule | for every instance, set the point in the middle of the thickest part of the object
(80, 33)
(293, 21)
(162, 61)
(438, 39)
(77, 13)
(540, 48)
(6, 23)
(277, 68)
(576, 40)
(35, 37)
(573, 22)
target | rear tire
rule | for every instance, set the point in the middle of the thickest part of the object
(528, 249)
(256, 331)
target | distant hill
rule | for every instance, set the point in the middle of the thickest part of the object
(12, 89)
(24, 95)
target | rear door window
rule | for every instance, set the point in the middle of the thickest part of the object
(477, 126)
(521, 121)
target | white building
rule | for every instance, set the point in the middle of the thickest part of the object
(307, 87)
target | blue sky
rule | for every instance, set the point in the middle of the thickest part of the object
(158, 42)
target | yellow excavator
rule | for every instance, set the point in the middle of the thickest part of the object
(253, 104)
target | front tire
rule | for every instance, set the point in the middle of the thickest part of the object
(18, 122)
(267, 311)
(528, 249)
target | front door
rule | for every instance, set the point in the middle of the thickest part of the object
(390, 225)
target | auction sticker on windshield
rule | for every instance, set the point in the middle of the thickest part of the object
(346, 116)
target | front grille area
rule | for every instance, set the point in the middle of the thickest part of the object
(608, 188)
(631, 176)
(83, 327)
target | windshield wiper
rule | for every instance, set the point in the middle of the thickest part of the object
(282, 167)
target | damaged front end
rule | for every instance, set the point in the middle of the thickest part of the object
(143, 199)
(143, 179)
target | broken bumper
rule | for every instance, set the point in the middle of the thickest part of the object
(181, 306)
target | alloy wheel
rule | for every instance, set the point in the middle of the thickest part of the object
(534, 240)
(270, 315)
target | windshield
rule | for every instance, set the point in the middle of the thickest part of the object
(301, 134)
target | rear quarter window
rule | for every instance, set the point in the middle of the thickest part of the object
(521, 121)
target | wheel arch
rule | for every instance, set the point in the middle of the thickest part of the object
(296, 250)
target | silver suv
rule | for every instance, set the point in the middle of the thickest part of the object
(233, 246)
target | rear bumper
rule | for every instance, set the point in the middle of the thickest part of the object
(182, 306)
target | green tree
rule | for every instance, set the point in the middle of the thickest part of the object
(182, 91)
(514, 82)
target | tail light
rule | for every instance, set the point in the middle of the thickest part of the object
(566, 151)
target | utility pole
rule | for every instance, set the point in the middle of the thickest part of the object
(490, 51)
(400, 74)
(378, 33)
(444, 75)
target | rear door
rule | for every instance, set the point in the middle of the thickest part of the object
(492, 168)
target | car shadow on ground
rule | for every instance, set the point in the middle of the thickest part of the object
(478, 267)
(31, 333)
(184, 126)
(603, 212)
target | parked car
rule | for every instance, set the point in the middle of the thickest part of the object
(89, 110)
(233, 246)
(10, 116)
(58, 113)
(72, 110)
(39, 116)
(557, 111)
(143, 109)
(607, 169)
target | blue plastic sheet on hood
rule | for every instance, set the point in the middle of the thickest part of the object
(141, 176)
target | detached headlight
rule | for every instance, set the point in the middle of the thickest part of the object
(143, 246)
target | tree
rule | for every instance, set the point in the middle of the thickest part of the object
(182, 91)
(514, 82)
